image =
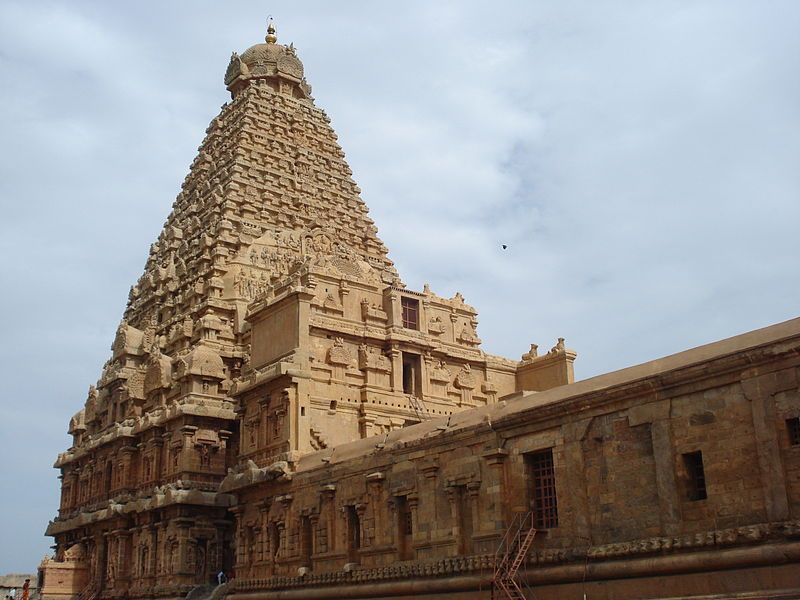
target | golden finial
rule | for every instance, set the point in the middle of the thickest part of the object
(271, 37)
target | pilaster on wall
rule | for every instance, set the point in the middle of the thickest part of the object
(573, 435)
(760, 390)
(494, 490)
(657, 415)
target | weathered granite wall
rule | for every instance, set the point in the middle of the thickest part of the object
(421, 510)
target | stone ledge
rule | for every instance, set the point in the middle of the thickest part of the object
(746, 536)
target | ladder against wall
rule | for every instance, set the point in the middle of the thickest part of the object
(90, 592)
(419, 408)
(511, 554)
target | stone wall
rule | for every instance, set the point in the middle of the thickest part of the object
(629, 495)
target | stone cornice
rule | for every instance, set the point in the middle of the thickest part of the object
(162, 497)
(218, 409)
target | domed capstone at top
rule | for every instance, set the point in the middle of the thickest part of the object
(269, 61)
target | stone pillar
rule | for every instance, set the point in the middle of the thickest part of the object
(238, 516)
(287, 548)
(452, 502)
(159, 550)
(657, 415)
(313, 520)
(381, 532)
(453, 328)
(219, 461)
(111, 560)
(262, 436)
(185, 565)
(124, 557)
(361, 511)
(430, 470)
(100, 558)
(396, 382)
(127, 454)
(575, 470)
(187, 450)
(328, 512)
(426, 366)
(262, 548)
(494, 491)
(158, 459)
(759, 390)
(473, 500)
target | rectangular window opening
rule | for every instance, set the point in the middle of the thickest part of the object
(405, 528)
(412, 374)
(353, 533)
(306, 540)
(693, 463)
(410, 308)
(793, 429)
(543, 480)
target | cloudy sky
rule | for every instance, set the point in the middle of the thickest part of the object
(639, 159)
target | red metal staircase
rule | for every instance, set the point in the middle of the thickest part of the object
(510, 556)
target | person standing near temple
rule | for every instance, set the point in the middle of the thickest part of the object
(26, 589)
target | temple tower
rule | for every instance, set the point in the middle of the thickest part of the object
(269, 323)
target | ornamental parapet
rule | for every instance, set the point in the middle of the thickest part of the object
(202, 407)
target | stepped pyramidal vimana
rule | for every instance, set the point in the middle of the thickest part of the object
(281, 417)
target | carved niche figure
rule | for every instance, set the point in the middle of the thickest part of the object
(465, 380)
(370, 358)
(320, 243)
(439, 373)
(435, 325)
(339, 354)
(468, 335)
(200, 563)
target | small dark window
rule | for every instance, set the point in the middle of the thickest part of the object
(793, 428)
(410, 312)
(353, 533)
(543, 479)
(408, 523)
(306, 540)
(693, 462)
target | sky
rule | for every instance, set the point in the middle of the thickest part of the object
(638, 159)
